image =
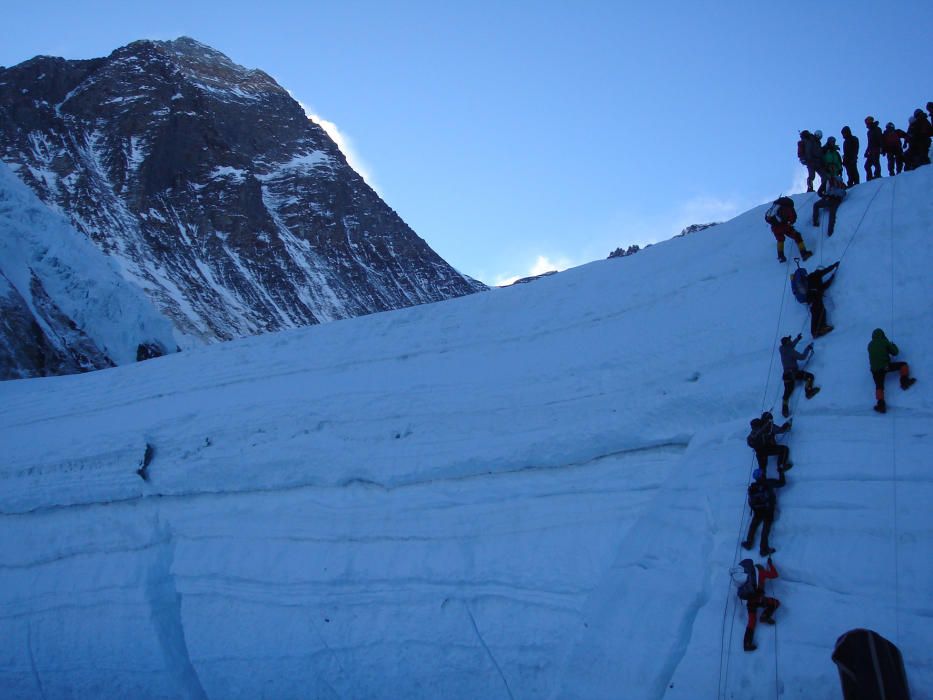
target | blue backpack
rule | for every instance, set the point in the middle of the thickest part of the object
(798, 284)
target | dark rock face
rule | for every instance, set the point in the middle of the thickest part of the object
(526, 280)
(625, 252)
(27, 349)
(214, 192)
(696, 228)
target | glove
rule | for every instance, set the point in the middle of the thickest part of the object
(799, 336)
(809, 348)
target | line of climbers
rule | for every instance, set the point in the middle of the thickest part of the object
(808, 288)
(825, 160)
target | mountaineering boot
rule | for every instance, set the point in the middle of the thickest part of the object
(787, 466)
(907, 382)
(748, 644)
(881, 407)
(746, 545)
(767, 619)
(806, 255)
(823, 331)
(781, 258)
(811, 392)
(785, 409)
(765, 551)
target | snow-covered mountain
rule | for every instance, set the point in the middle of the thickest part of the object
(64, 304)
(537, 492)
(212, 191)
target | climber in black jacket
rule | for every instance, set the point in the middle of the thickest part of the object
(762, 440)
(763, 501)
(816, 287)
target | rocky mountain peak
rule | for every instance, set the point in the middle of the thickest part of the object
(212, 190)
(203, 66)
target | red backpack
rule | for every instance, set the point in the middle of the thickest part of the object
(777, 212)
(802, 145)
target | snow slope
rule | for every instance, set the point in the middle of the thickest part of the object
(536, 492)
(39, 249)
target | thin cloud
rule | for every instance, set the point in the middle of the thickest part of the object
(541, 265)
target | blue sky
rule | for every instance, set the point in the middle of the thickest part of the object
(520, 136)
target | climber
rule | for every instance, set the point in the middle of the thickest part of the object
(832, 161)
(873, 151)
(850, 156)
(816, 287)
(802, 145)
(880, 350)
(762, 439)
(752, 591)
(792, 371)
(813, 157)
(919, 135)
(781, 216)
(892, 147)
(762, 500)
(831, 192)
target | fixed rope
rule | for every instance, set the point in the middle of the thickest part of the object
(726, 650)
(777, 675)
(845, 250)
(724, 667)
(897, 567)
(858, 226)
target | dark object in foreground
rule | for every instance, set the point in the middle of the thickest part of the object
(870, 667)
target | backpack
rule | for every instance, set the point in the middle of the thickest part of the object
(748, 589)
(756, 438)
(798, 284)
(773, 215)
(801, 149)
(760, 496)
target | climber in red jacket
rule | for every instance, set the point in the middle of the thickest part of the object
(781, 216)
(758, 600)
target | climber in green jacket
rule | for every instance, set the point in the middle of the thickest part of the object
(832, 161)
(880, 350)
